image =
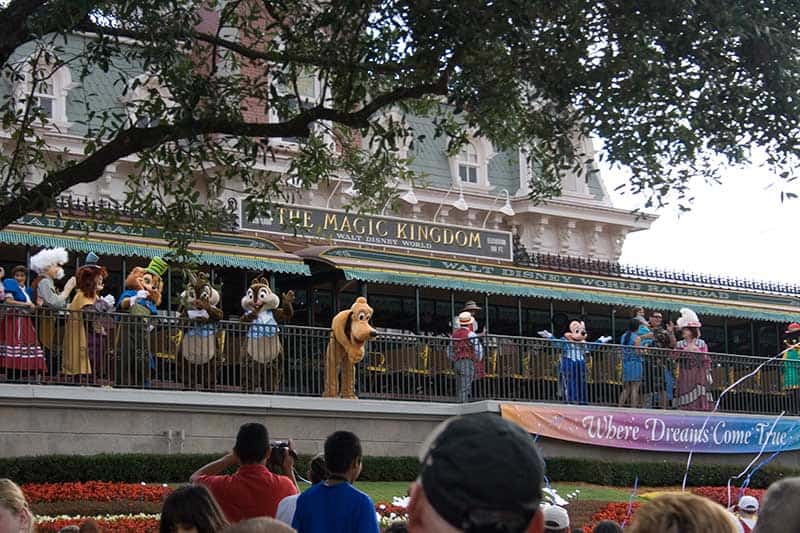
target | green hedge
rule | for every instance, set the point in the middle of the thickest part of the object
(135, 468)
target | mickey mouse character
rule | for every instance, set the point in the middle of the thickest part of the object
(572, 368)
(350, 330)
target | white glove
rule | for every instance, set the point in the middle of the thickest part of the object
(109, 299)
(546, 334)
(604, 340)
(141, 294)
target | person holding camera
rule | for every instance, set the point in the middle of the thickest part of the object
(253, 490)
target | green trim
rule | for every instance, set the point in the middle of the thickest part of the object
(449, 281)
(121, 249)
(121, 228)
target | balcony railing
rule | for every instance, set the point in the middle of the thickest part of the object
(124, 350)
(584, 265)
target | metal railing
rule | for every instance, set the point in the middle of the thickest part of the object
(125, 350)
(584, 265)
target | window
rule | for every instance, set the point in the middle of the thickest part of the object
(44, 97)
(147, 101)
(468, 164)
(46, 86)
(469, 167)
(304, 93)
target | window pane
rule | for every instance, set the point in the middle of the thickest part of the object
(46, 105)
(473, 175)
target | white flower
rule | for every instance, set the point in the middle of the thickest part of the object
(401, 501)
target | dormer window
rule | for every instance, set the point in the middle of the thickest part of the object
(47, 87)
(44, 98)
(468, 165)
(147, 101)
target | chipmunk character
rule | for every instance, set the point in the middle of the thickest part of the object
(199, 306)
(263, 309)
(141, 299)
(572, 368)
(350, 330)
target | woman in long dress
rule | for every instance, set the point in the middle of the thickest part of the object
(694, 366)
(85, 338)
(19, 347)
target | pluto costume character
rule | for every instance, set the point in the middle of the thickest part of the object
(263, 310)
(140, 300)
(350, 330)
(572, 368)
(199, 308)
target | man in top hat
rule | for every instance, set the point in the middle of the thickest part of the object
(473, 309)
(465, 350)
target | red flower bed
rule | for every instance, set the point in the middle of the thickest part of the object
(720, 494)
(122, 525)
(617, 511)
(100, 491)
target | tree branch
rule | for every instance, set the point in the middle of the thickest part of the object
(244, 51)
(18, 17)
(131, 141)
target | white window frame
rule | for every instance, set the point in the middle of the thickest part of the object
(59, 81)
(290, 143)
(141, 93)
(484, 152)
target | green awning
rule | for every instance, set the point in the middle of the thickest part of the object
(505, 288)
(282, 263)
(505, 278)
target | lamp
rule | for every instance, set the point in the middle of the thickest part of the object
(295, 182)
(409, 197)
(436, 214)
(460, 204)
(350, 191)
(507, 210)
(335, 188)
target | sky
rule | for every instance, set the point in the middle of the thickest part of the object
(739, 228)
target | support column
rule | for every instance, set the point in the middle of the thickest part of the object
(519, 316)
(452, 309)
(417, 306)
(725, 329)
(486, 306)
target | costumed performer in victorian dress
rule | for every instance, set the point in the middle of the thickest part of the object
(19, 347)
(694, 366)
(48, 265)
(86, 336)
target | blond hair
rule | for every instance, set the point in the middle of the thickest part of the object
(682, 513)
(12, 498)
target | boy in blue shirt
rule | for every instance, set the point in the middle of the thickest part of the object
(335, 506)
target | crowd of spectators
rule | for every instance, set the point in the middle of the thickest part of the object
(478, 474)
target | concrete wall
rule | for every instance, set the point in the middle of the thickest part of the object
(44, 420)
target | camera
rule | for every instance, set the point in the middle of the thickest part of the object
(277, 454)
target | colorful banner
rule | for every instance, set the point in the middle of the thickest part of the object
(657, 432)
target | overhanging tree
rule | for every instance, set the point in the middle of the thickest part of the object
(672, 88)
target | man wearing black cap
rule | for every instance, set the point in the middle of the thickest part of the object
(479, 474)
